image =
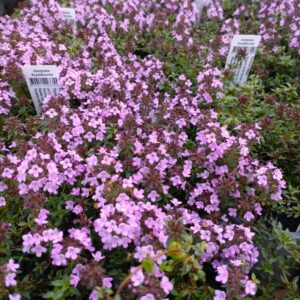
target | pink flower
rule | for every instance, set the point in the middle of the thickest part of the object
(222, 274)
(248, 216)
(137, 277)
(166, 285)
(35, 171)
(77, 209)
(94, 295)
(59, 260)
(98, 256)
(250, 288)
(51, 113)
(152, 158)
(69, 204)
(232, 212)
(39, 250)
(205, 235)
(219, 295)
(72, 252)
(139, 194)
(7, 173)
(11, 266)
(148, 297)
(107, 282)
(14, 297)
(2, 201)
(153, 138)
(74, 280)
(10, 279)
(42, 217)
(153, 195)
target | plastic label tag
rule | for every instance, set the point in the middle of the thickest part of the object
(69, 16)
(241, 55)
(41, 81)
(200, 4)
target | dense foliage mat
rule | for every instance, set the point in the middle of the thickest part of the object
(151, 175)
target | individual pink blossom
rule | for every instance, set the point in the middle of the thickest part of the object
(38, 250)
(93, 295)
(166, 284)
(72, 252)
(35, 171)
(98, 256)
(219, 295)
(42, 217)
(148, 297)
(10, 279)
(249, 216)
(14, 297)
(2, 201)
(222, 274)
(77, 209)
(250, 288)
(11, 266)
(137, 277)
(107, 282)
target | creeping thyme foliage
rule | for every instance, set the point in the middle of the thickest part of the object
(147, 176)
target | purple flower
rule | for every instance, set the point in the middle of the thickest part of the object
(59, 260)
(98, 256)
(107, 282)
(42, 217)
(72, 252)
(2, 201)
(137, 277)
(222, 274)
(93, 295)
(166, 285)
(39, 250)
(250, 288)
(77, 209)
(248, 216)
(205, 235)
(11, 266)
(35, 171)
(219, 295)
(153, 195)
(152, 158)
(10, 279)
(148, 297)
(74, 280)
(14, 297)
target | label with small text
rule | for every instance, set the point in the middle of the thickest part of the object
(41, 81)
(69, 16)
(200, 4)
(241, 55)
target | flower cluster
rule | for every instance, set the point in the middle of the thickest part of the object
(8, 273)
(6, 97)
(125, 161)
(284, 15)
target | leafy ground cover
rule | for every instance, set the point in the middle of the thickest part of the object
(151, 176)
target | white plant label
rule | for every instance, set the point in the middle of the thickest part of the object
(246, 44)
(69, 16)
(200, 4)
(41, 81)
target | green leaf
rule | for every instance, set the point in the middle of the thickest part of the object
(186, 268)
(147, 265)
(48, 295)
(187, 237)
